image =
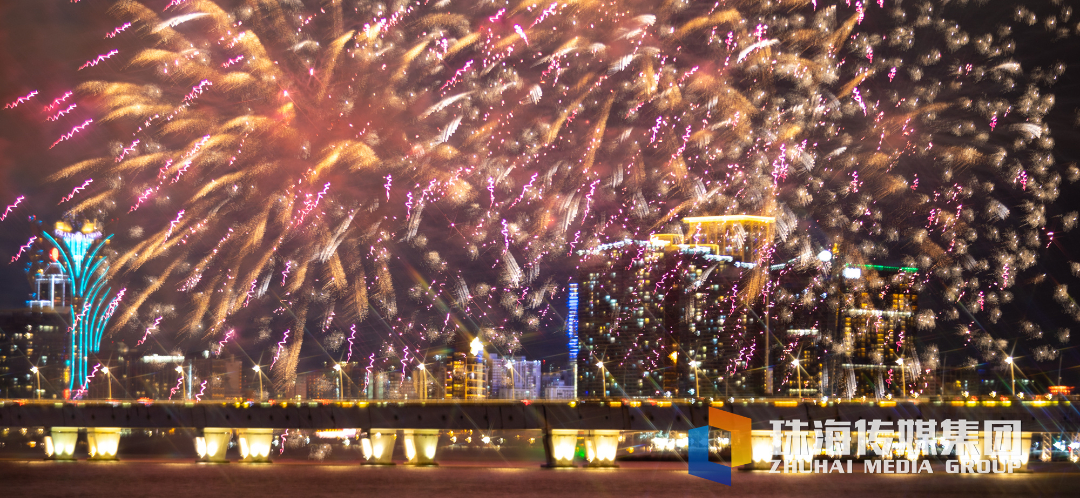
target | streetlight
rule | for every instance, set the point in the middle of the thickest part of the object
(603, 378)
(903, 378)
(798, 375)
(37, 374)
(337, 366)
(423, 381)
(258, 372)
(180, 370)
(108, 379)
(1012, 373)
(697, 385)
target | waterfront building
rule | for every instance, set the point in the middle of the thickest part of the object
(33, 349)
(514, 377)
(156, 376)
(691, 314)
(467, 371)
(875, 331)
(661, 317)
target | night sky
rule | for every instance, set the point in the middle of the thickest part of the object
(42, 42)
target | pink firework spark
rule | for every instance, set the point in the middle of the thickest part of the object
(126, 150)
(113, 305)
(190, 155)
(351, 337)
(172, 224)
(310, 204)
(281, 345)
(232, 61)
(142, 198)
(119, 29)
(369, 367)
(173, 3)
(202, 389)
(72, 132)
(75, 325)
(221, 344)
(247, 297)
(179, 382)
(452, 81)
(20, 100)
(22, 249)
(13, 206)
(97, 60)
(148, 331)
(78, 189)
(859, 99)
(197, 90)
(547, 12)
(285, 274)
(59, 100)
(60, 114)
(82, 389)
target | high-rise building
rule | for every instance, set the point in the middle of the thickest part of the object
(514, 377)
(669, 316)
(428, 381)
(92, 303)
(155, 376)
(33, 347)
(222, 376)
(559, 384)
(466, 376)
(467, 370)
(875, 327)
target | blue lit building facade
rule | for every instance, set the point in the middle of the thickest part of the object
(91, 305)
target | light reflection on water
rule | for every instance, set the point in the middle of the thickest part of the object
(460, 479)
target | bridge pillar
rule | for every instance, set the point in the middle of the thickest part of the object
(1008, 454)
(1011, 451)
(212, 444)
(798, 449)
(420, 446)
(601, 447)
(103, 442)
(255, 445)
(60, 443)
(559, 446)
(378, 447)
(762, 450)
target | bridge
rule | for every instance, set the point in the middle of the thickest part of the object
(599, 422)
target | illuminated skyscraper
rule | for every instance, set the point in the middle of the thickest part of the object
(573, 344)
(91, 307)
(33, 346)
(667, 316)
(466, 372)
(514, 377)
(875, 330)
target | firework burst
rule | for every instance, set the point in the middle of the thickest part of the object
(416, 166)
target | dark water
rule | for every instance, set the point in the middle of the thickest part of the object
(156, 478)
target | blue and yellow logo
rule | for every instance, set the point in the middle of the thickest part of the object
(741, 450)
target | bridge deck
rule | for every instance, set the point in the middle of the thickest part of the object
(1042, 416)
